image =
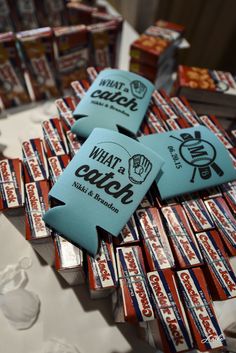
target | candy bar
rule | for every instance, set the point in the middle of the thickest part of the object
(203, 322)
(154, 239)
(170, 332)
(55, 140)
(102, 273)
(12, 193)
(181, 237)
(65, 113)
(37, 47)
(72, 53)
(222, 276)
(13, 90)
(224, 221)
(36, 204)
(69, 261)
(56, 166)
(34, 159)
(133, 284)
(197, 214)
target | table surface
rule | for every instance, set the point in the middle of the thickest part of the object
(66, 312)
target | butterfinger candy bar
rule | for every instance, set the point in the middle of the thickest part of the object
(204, 324)
(65, 113)
(181, 237)
(102, 273)
(55, 140)
(34, 159)
(133, 284)
(13, 90)
(154, 238)
(37, 47)
(11, 184)
(56, 166)
(221, 273)
(171, 318)
(224, 221)
(198, 215)
(69, 261)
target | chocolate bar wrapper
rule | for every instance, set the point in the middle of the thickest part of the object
(225, 222)
(205, 328)
(37, 48)
(170, 332)
(129, 234)
(12, 194)
(134, 289)
(36, 204)
(229, 193)
(198, 215)
(34, 160)
(72, 53)
(182, 110)
(13, 89)
(154, 239)
(181, 237)
(56, 166)
(69, 261)
(102, 272)
(55, 140)
(221, 274)
(65, 113)
(74, 143)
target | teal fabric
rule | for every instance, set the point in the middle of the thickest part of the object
(101, 187)
(194, 159)
(116, 99)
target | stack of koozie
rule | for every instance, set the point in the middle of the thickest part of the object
(135, 218)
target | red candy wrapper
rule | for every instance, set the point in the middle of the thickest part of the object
(133, 285)
(102, 273)
(13, 90)
(12, 194)
(55, 140)
(34, 159)
(56, 166)
(181, 237)
(205, 328)
(225, 222)
(170, 332)
(154, 239)
(220, 272)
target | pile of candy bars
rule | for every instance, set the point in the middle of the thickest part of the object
(171, 260)
(40, 63)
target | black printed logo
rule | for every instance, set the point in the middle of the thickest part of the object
(200, 154)
(138, 89)
(139, 168)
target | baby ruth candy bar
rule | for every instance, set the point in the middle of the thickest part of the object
(107, 179)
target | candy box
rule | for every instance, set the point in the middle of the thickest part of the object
(74, 143)
(80, 13)
(154, 239)
(54, 137)
(72, 53)
(65, 113)
(136, 299)
(204, 325)
(37, 48)
(170, 332)
(34, 160)
(102, 272)
(181, 237)
(37, 233)
(13, 89)
(56, 166)
(24, 14)
(225, 222)
(69, 261)
(197, 213)
(129, 234)
(12, 194)
(221, 276)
